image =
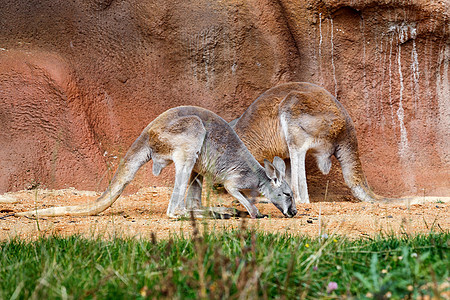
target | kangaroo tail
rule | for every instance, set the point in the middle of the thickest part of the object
(347, 154)
(138, 154)
(348, 157)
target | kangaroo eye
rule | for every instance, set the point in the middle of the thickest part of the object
(287, 194)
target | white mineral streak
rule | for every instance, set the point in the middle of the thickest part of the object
(366, 92)
(443, 99)
(332, 58)
(414, 70)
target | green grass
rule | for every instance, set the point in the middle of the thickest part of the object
(235, 264)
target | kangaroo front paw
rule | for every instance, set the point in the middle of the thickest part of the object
(258, 215)
(179, 214)
(225, 212)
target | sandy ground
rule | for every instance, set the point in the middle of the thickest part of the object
(143, 213)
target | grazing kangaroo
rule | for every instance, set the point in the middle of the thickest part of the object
(292, 118)
(198, 142)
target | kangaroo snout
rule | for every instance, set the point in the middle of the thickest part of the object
(291, 212)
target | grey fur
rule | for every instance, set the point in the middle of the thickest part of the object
(198, 142)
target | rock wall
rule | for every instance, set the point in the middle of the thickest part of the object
(80, 79)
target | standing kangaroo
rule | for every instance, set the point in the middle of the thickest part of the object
(198, 142)
(292, 118)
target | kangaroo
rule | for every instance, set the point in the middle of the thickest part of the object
(198, 142)
(292, 118)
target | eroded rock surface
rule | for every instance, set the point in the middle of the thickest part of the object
(80, 79)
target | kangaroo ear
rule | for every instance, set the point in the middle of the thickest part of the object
(279, 165)
(270, 169)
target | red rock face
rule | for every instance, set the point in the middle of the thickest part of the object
(79, 80)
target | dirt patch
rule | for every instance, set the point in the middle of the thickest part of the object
(144, 213)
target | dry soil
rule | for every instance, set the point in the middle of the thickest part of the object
(143, 213)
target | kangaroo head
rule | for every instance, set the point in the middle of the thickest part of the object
(279, 192)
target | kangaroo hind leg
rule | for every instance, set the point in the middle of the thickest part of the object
(177, 205)
(298, 175)
(194, 193)
(298, 142)
(187, 134)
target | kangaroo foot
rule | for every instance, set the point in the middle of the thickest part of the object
(225, 212)
(211, 212)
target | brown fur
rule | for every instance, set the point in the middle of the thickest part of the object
(313, 116)
(157, 144)
(320, 105)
